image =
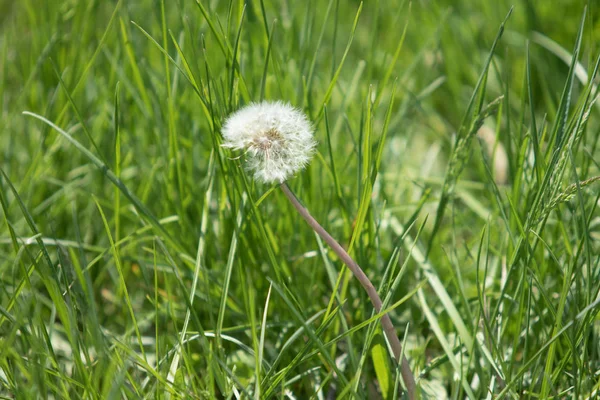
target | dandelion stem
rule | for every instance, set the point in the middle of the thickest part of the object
(386, 322)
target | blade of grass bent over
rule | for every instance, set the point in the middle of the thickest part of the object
(113, 178)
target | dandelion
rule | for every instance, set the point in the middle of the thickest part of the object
(278, 142)
(277, 138)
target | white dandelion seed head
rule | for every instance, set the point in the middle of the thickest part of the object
(276, 137)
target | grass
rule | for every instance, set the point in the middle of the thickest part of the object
(458, 162)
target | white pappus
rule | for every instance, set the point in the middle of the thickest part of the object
(276, 137)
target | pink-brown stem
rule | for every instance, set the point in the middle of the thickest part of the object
(386, 322)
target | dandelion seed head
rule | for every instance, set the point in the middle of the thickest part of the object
(276, 137)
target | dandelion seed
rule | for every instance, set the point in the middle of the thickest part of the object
(276, 137)
(277, 141)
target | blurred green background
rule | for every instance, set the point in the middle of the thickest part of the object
(98, 297)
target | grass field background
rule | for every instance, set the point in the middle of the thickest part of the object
(458, 161)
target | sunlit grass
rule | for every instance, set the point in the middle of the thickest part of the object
(458, 162)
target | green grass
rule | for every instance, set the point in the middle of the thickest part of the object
(139, 260)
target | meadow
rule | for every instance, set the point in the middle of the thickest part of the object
(458, 162)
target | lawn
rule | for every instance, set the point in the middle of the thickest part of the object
(457, 161)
